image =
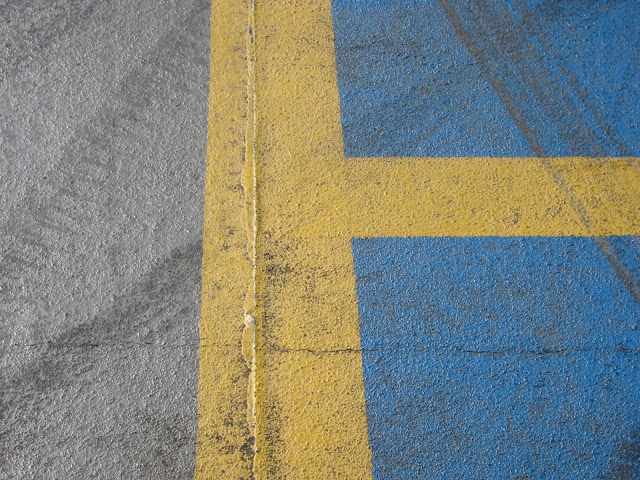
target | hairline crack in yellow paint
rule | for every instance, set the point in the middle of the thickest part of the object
(309, 202)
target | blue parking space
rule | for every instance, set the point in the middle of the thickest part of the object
(514, 78)
(500, 358)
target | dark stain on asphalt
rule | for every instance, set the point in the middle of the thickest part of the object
(154, 316)
(626, 462)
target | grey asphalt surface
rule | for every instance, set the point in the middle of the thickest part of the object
(103, 117)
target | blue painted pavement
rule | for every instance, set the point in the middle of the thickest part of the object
(500, 358)
(515, 78)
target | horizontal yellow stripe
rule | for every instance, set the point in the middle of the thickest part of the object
(452, 197)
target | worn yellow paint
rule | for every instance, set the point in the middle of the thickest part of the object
(224, 447)
(311, 418)
(311, 201)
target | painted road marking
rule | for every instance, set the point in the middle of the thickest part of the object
(497, 357)
(312, 201)
(224, 447)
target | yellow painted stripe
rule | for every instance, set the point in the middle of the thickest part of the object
(311, 200)
(333, 196)
(310, 392)
(311, 418)
(224, 447)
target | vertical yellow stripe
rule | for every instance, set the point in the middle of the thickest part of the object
(311, 415)
(224, 448)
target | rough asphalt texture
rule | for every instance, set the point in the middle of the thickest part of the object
(103, 115)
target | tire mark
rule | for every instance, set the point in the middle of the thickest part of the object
(158, 311)
(87, 174)
(30, 29)
(533, 23)
(509, 104)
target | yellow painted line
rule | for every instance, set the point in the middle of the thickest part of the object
(225, 445)
(311, 201)
(332, 196)
(311, 417)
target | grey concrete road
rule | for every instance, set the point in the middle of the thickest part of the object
(103, 115)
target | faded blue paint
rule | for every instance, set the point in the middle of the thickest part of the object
(500, 358)
(488, 78)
